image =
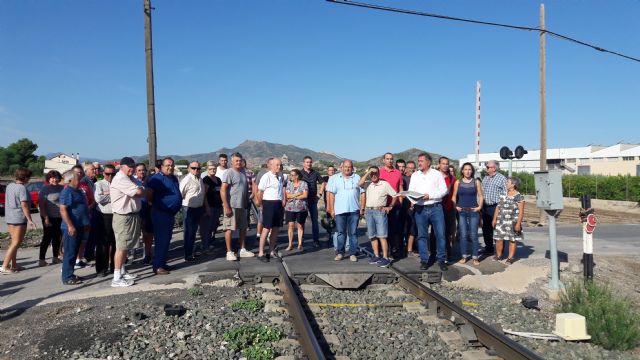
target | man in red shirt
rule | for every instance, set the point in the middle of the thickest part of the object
(449, 212)
(393, 176)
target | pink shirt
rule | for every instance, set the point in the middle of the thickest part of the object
(393, 177)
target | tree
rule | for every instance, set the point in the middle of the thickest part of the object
(20, 153)
(182, 162)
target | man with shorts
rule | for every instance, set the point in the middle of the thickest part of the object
(271, 197)
(235, 195)
(377, 208)
(125, 204)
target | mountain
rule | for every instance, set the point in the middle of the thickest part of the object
(410, 154)
(257, 153)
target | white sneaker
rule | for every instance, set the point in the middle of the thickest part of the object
(129, 276)
(353, 258)
(121, 283)
(244, 253)
(338, 257)
(231, 256)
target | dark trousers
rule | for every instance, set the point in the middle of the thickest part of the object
(395, 230)
(191, 219)
(106, 244)
(95, 234)
(487, 227)
(162, 232)
(51, 235)
(313, 214)
(71, 247)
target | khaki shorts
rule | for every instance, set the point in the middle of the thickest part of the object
(127, 230)
(237, 221)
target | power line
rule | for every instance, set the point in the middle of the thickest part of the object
(480, 22)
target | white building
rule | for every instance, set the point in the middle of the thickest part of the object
(619, 159)
(61, 162)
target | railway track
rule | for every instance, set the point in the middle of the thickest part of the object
(474, 331)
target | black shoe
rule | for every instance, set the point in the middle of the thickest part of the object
(146, 260)
(167, 267)
(424, 266)
(190, 259)
(443, 266)
(488, 251)
(316, 243)
(263, 258)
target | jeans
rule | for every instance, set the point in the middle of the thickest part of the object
(71, 247)
(191, 219)
(346, 225)
(162, 232)
(434, 216)
(377, 223)
(487, 228)
(468, 227)
(208, 227)
(313, 214)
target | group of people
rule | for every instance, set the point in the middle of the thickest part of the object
(400, 201)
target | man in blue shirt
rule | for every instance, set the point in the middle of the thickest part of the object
(344, 199)
(75, 222)
(166, 201)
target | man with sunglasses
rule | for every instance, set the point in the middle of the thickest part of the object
(193, 206)
(377, 208)
(494, 184)
(106, 242)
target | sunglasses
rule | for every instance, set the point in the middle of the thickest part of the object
(375, 173)
(108, 174)
(194, 168)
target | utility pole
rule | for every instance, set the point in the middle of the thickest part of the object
(151, 105)
(543, 95)
(543, 104)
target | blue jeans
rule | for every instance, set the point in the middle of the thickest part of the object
(346, 225)
(468, 227)
(190, 221)
(376, 223)
(435, 216)
(313, 214)
(162, 232)
(71, 247)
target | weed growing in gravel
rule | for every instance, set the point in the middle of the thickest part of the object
(612, 322)
(252, 305)
(195, 291)
(251, 339)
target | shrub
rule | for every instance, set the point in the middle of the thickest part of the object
(244, 336)
(259, 352)
(250, 304)
(195, 291)
(613, 323)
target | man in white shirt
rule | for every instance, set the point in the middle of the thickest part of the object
(428, 210)
(125, 204)
(271, 197)
(223, 160)
(193, 206)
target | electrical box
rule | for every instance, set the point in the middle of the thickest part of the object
(548, 189)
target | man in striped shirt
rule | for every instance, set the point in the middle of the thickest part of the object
(494, 184)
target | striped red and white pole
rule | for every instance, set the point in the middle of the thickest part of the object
(478, 124)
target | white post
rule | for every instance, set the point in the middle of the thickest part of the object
(478, 124)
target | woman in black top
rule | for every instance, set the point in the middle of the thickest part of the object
(209, 222)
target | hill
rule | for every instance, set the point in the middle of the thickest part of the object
(410, 154)
(257, 152)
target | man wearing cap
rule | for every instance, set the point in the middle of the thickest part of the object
(166, 201)
(125, 203)
(193, 206)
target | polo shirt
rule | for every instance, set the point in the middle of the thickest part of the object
(77, 208)
(393, 177)
(378, 194)
(123, 195)
(430, 182)
(166, 193)
(346, 191)
(271, 186)
(312, 178)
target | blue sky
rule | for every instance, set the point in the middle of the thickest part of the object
(352, 81)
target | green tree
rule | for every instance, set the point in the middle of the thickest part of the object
(21, 153)
(182, 162)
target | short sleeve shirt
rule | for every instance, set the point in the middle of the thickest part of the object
(312, 178)
(271, 185)
(213, 191)
(296, 205)
(238, 192)
(379, 193)
(493, 187)
(51, 196)
(77, 207)
(346, 191)
(15, 195)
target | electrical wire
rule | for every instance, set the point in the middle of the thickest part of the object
(480, 22)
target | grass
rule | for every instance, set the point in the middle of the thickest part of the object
(612, 322)
(195, 291)
(251, 305)
(252, 341)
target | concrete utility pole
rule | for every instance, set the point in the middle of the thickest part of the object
(151, 105)
(543, 95)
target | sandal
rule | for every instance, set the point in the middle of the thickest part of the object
(4, 271)
(73, 281)
(289, 248)
(18, 268)
(495, 258)
(509, 261)
(476, 262)
(300, 248)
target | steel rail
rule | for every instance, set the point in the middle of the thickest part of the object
(310, 346)
(486, 334)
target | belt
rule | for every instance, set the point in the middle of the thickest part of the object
(486, 204)
(374, 207)
(427, 206)
(467, 209)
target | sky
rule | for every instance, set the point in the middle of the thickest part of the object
(315, 74)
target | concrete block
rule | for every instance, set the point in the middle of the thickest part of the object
(433, 320)
(269, 296)
(414, 308)
(453, 339)
(314, 308)
(286, 358)
(277, 320)
(478, 355)
(396, 293)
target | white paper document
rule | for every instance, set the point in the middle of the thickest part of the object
(413, 196)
